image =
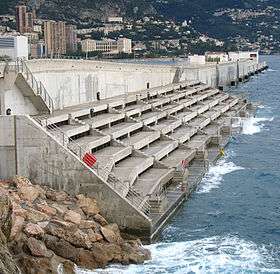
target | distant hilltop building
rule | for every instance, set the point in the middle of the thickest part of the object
(235, 56)
(14, 47)
(122, 45)
(115, 19)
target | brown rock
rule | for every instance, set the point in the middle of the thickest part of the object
(42, 265)
(69, 233)
(92, 259)
(86, 224)
(18, 210)
(37, 248)
(62, 248)
(88, 205)
(93, 236)
(73, 217)
(43, 224)
(5, 183)
(15, 197)
(56, 196)
(61, 209)
(6, 220)
(98, 218)
(33, 230)
(50, 211)
(29, 193)
(20, 181)
(36, 216)
(17, 225)
(110, 235)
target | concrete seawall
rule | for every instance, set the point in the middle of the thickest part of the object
(73, 82)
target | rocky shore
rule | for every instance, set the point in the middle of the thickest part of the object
(45, 231)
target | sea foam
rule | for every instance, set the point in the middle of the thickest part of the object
(214, 176)
(229, 254)
(252, 125)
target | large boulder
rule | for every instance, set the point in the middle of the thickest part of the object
(37, 248)
(88, 205)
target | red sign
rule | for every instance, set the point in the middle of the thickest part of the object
(89, 159)
(184, 163)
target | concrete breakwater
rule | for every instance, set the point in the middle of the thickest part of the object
(152, 146)
(47, 231)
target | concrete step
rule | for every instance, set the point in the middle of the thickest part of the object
(152, 180)
(114, 153)
(174, 159)
(151, 117)
(136, 109)
(160, 148)
(87, 143)
(183, 133)
(167, 125)
(122, 129)
(141, 139)
(72, 130)
(129, 169)
(199, 122)
(198, 142)
(104, 119)
(186, 115)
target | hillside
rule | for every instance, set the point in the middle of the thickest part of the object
(256, 21)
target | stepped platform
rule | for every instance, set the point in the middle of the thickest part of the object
(89, 142)
(113, 152)
(103, 119)
(151, 117)
(174, 159)
(167, 125)
(131, 167)
(151, 180)
(141, 139)
(183, 133)
(122, 129)
(160, 148)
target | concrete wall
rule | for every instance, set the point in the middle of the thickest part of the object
(12, 97)
(7, 147)
(33, 153)
(72, 82)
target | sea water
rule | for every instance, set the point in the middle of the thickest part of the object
(231, 224)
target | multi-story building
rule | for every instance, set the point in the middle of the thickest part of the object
(55, 37)
(29, 22)
(15, 47)
(71, 38)
(24, 19)
(122, 45)
(21, 18)
(37, 50)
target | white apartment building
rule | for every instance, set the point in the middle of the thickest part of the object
(122, 45)
(16, 47)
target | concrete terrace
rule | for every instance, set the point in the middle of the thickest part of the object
(141, 139)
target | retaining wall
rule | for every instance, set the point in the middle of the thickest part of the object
(28, 150)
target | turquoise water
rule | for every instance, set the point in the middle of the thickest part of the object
(231, 224)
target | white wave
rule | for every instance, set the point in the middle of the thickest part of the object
(271, 70)
(210, 255)
(254, 125)
(214, 176)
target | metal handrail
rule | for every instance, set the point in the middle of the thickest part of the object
(103, 172)
(36, 85)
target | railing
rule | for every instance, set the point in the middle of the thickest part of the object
(103, 171)
(36, 85)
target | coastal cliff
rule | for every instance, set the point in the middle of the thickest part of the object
(42, 230)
